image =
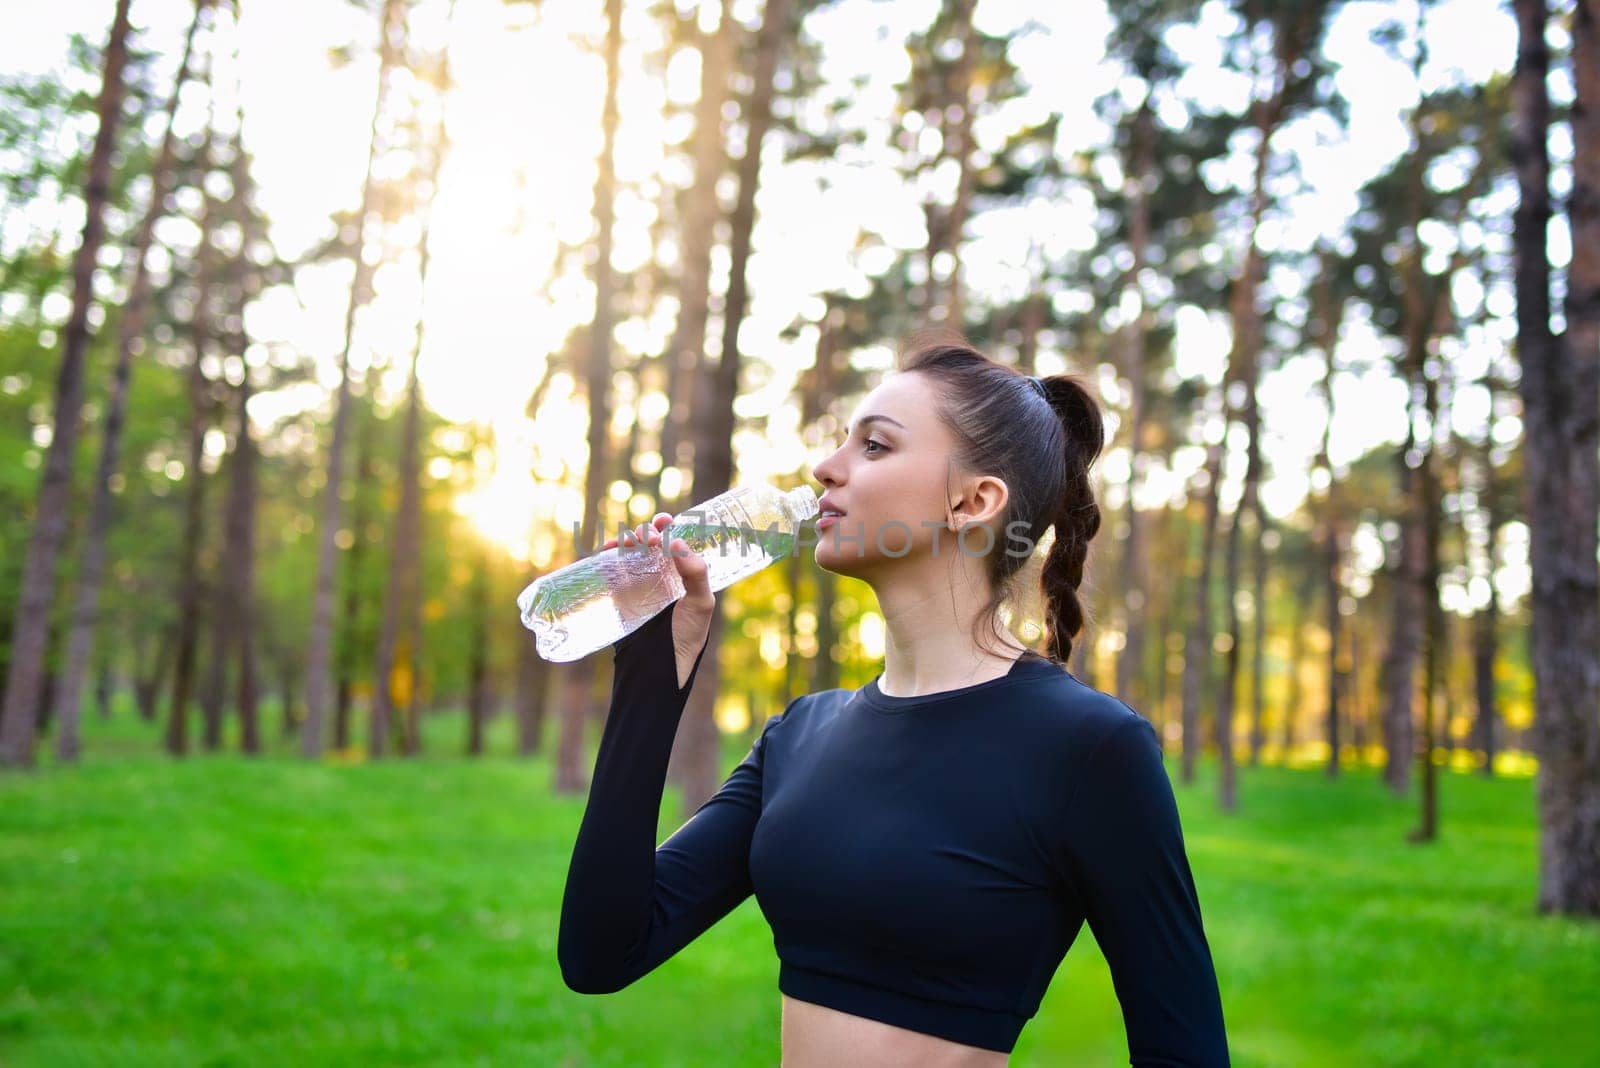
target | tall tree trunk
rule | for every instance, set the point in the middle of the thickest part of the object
(411, 643)
(1227, 785)
(686, 353)
(404, 559)
(825, 670)
(696, 747)
(352, 643)
(1328, 313)
(1431, 506)
(1352, 694)
(288, 721)
(531, 678)
(190, 593)
(1398, 676)
(1130, 581)
(1197, 643)
(1297, 654)
(1258, 635)
(191, 581)
(1561, 391)
(1249, 504)
(1162, 614)
(91, 569)
(478, 662)
(1486, 621)
(237, 517)
(1333, 562)
(151, 672)
(240, 526)
(579, 677)
(1244, 367)
(30, 634)
(958, 145)
(319, 649)
(104, 687)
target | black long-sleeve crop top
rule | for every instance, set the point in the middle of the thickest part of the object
(923, 861)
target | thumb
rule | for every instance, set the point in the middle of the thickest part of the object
(692, 569)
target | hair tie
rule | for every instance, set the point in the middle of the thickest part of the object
(1038, 386)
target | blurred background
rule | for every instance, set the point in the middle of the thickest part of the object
(327, 325)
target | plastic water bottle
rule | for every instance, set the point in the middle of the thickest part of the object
(587, 605)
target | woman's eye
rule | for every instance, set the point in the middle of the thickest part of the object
(871, 443)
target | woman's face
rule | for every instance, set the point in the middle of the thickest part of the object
(893, 478)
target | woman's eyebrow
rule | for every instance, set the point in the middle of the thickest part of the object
(865, 419)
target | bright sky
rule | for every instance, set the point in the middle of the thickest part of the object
(525, 132)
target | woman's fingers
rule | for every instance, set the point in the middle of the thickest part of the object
(647, 534)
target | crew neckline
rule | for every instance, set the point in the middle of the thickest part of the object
(1028, 665)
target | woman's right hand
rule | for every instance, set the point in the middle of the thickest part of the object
(691, 613)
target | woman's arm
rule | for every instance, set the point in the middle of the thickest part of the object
(1125, 855)
(629, 905)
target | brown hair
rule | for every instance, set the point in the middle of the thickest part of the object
(1043, 450)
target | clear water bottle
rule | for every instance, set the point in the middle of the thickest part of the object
(587, 605)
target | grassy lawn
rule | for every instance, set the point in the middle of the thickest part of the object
(222, 910)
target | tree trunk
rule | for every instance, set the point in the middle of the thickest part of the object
(958, 145)
(1244, 368)
(1297, 654)
(410, 711)
(825, 672)
(1431, 506)
(686, 353)
(288, 721)
(1197, 645)
(478, 666)
(227, 634)
(531, 679)
(1398, 676)
(30, 634)
(241, 532)
(404, 561)
(1333, 562)
(151, 672)
(1561, 391)
(1249, 504)
(695, 747)
(1486, 622)
(1130, 581)
(319, 650)
(91, 569)
(103, 689)
(352, 646)
(191, 592)
(1258, 635)
(578, 693)
(405, 558)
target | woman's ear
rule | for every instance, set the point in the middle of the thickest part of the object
(983, 501)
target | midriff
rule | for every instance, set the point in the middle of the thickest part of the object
(815, 1036)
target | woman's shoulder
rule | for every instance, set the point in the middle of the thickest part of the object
(1082, 716)
(810, 707)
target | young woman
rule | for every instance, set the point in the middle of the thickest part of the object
(925, 848)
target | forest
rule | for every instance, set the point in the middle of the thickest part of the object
(327, 326)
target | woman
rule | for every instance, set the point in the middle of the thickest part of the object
(925, 848)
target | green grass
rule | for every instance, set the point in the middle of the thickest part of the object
(221, 910)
